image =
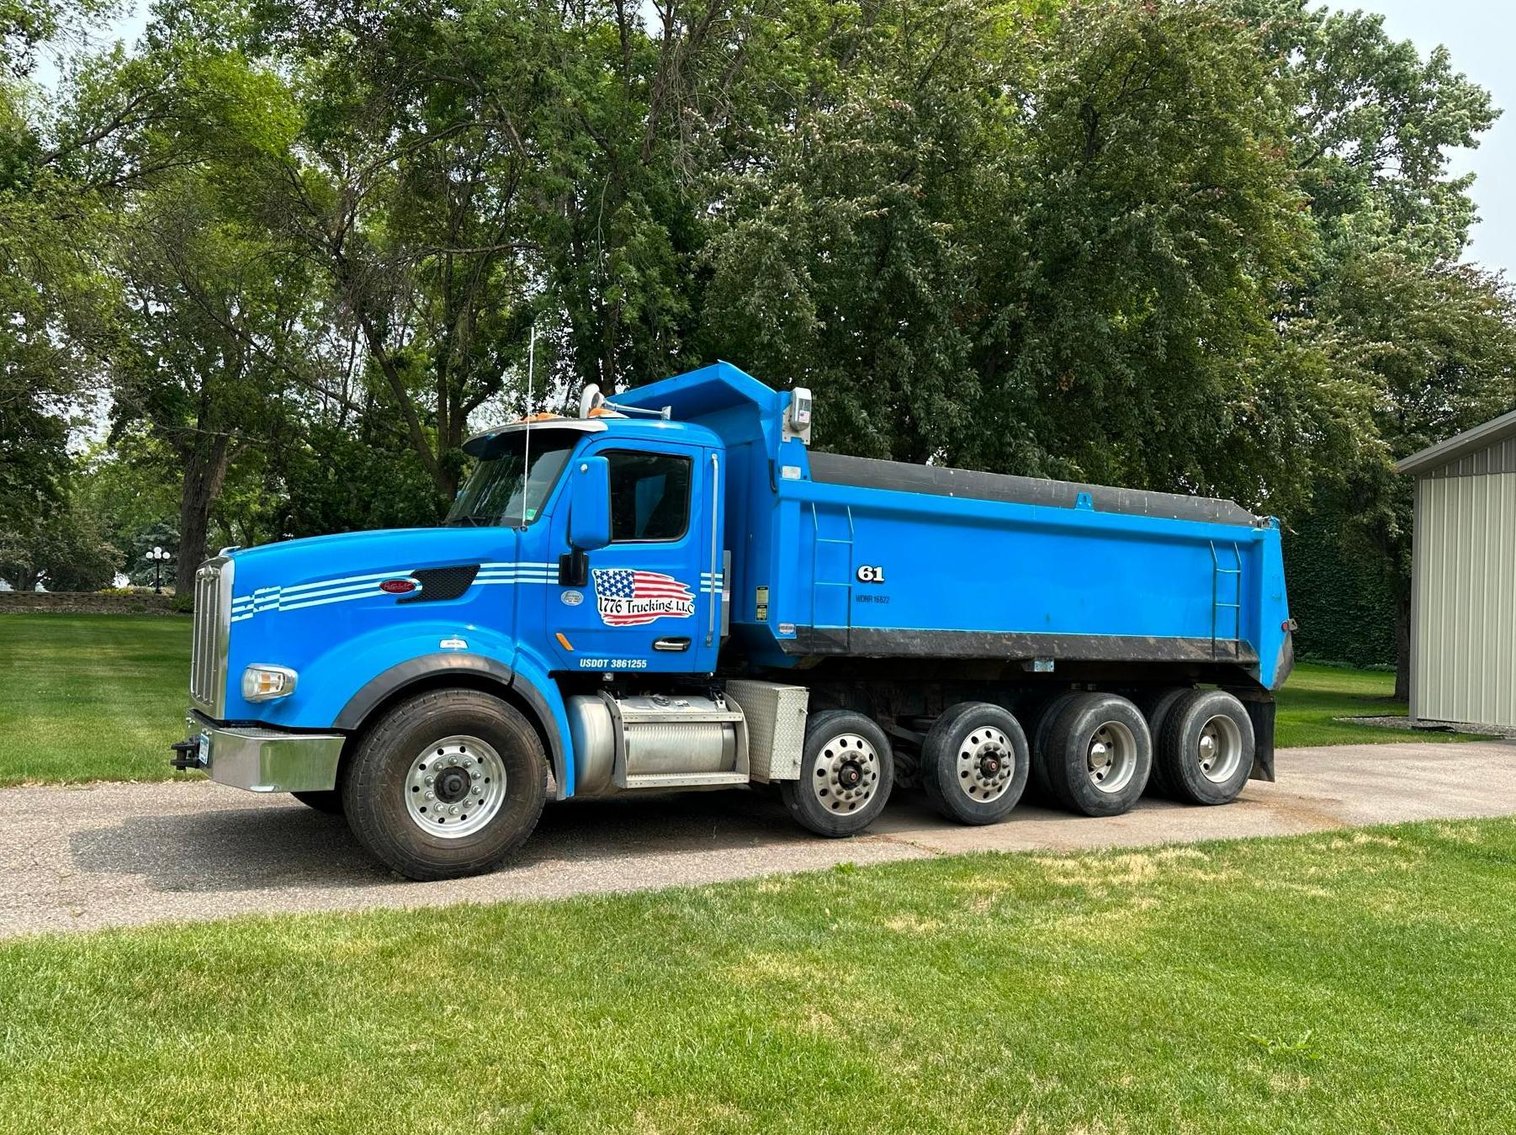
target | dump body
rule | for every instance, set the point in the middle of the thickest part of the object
(836, 556)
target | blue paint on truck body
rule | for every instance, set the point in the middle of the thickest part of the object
(819, 569)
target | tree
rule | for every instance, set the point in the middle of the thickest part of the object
(1438, 345)
(1372, 125)
(1052, 245)
(846, 262)
(215, 314)
(66, 551)
(1384, 304)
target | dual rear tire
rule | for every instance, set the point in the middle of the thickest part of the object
(974, 765)
(1205, 746)
(1097, 753)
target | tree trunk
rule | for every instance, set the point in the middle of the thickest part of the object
(204, 473)
(1402, 642)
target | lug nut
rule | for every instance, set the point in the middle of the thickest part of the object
(431, 796)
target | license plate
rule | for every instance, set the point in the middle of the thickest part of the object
(204, 753)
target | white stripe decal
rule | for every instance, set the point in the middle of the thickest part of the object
(344, 589)
(322, 602)
(346, 580)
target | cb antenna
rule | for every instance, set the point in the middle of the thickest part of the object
(526, 448)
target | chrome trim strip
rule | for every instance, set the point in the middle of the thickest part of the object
(210, 641)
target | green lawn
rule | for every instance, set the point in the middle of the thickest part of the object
(91, 697)
(101, 697)
(1347, 982)
(1316, 695)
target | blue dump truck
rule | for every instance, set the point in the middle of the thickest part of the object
(673, 591)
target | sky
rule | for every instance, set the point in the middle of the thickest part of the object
(1478, 33)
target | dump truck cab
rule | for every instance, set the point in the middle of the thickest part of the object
(670, 591)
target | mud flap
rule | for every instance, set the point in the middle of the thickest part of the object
(1260, 706)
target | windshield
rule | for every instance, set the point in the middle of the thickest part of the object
(497, 493)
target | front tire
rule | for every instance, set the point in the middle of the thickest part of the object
(447, 784)
(846, 773)
(974, 763)
(1099, 755)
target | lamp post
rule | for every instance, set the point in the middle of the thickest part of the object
(159, 558)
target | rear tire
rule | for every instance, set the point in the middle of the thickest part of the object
(1039, 788)
(449, 757)
(1156, 709)
(846, 773)
(1099, 755)
(328, 801)
(974, 763)
(1206, 748)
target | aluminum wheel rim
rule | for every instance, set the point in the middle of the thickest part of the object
(843, 758)
(982, 749)
(1111, 758)
(455, 787)
(1219, 750)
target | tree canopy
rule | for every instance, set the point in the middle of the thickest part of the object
(297, 246)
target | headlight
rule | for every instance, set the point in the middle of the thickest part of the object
(265, 683)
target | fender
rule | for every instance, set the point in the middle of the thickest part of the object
(532, 682)
(549, 710)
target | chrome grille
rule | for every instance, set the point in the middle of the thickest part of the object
(212, 632)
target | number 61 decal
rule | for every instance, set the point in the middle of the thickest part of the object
(871, 573)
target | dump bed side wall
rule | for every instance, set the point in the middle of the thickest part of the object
(952, 577)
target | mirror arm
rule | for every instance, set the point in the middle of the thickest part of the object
(574, 569)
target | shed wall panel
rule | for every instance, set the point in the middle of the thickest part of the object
(1464, 659)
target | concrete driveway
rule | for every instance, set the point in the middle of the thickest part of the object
(123, 854)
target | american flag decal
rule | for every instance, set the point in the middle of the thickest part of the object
(627, 597)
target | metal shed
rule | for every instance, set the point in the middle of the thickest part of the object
(1463, 577)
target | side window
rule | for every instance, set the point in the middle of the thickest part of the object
(650, 496)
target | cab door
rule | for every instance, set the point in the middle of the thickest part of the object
(651, 597)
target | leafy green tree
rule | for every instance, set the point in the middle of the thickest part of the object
(847, 262)
(68, 550)
(1053, 244)
(213, 313)
(1372, 125)
(1438, 346)
(1423, 341)
(344, 476)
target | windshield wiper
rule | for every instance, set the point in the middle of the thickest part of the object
(473, 520)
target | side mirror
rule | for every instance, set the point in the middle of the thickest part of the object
(589, 525)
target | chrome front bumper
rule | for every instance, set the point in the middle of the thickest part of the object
(260, 759)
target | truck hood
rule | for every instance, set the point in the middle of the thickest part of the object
(340, 609)
(360, 561)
